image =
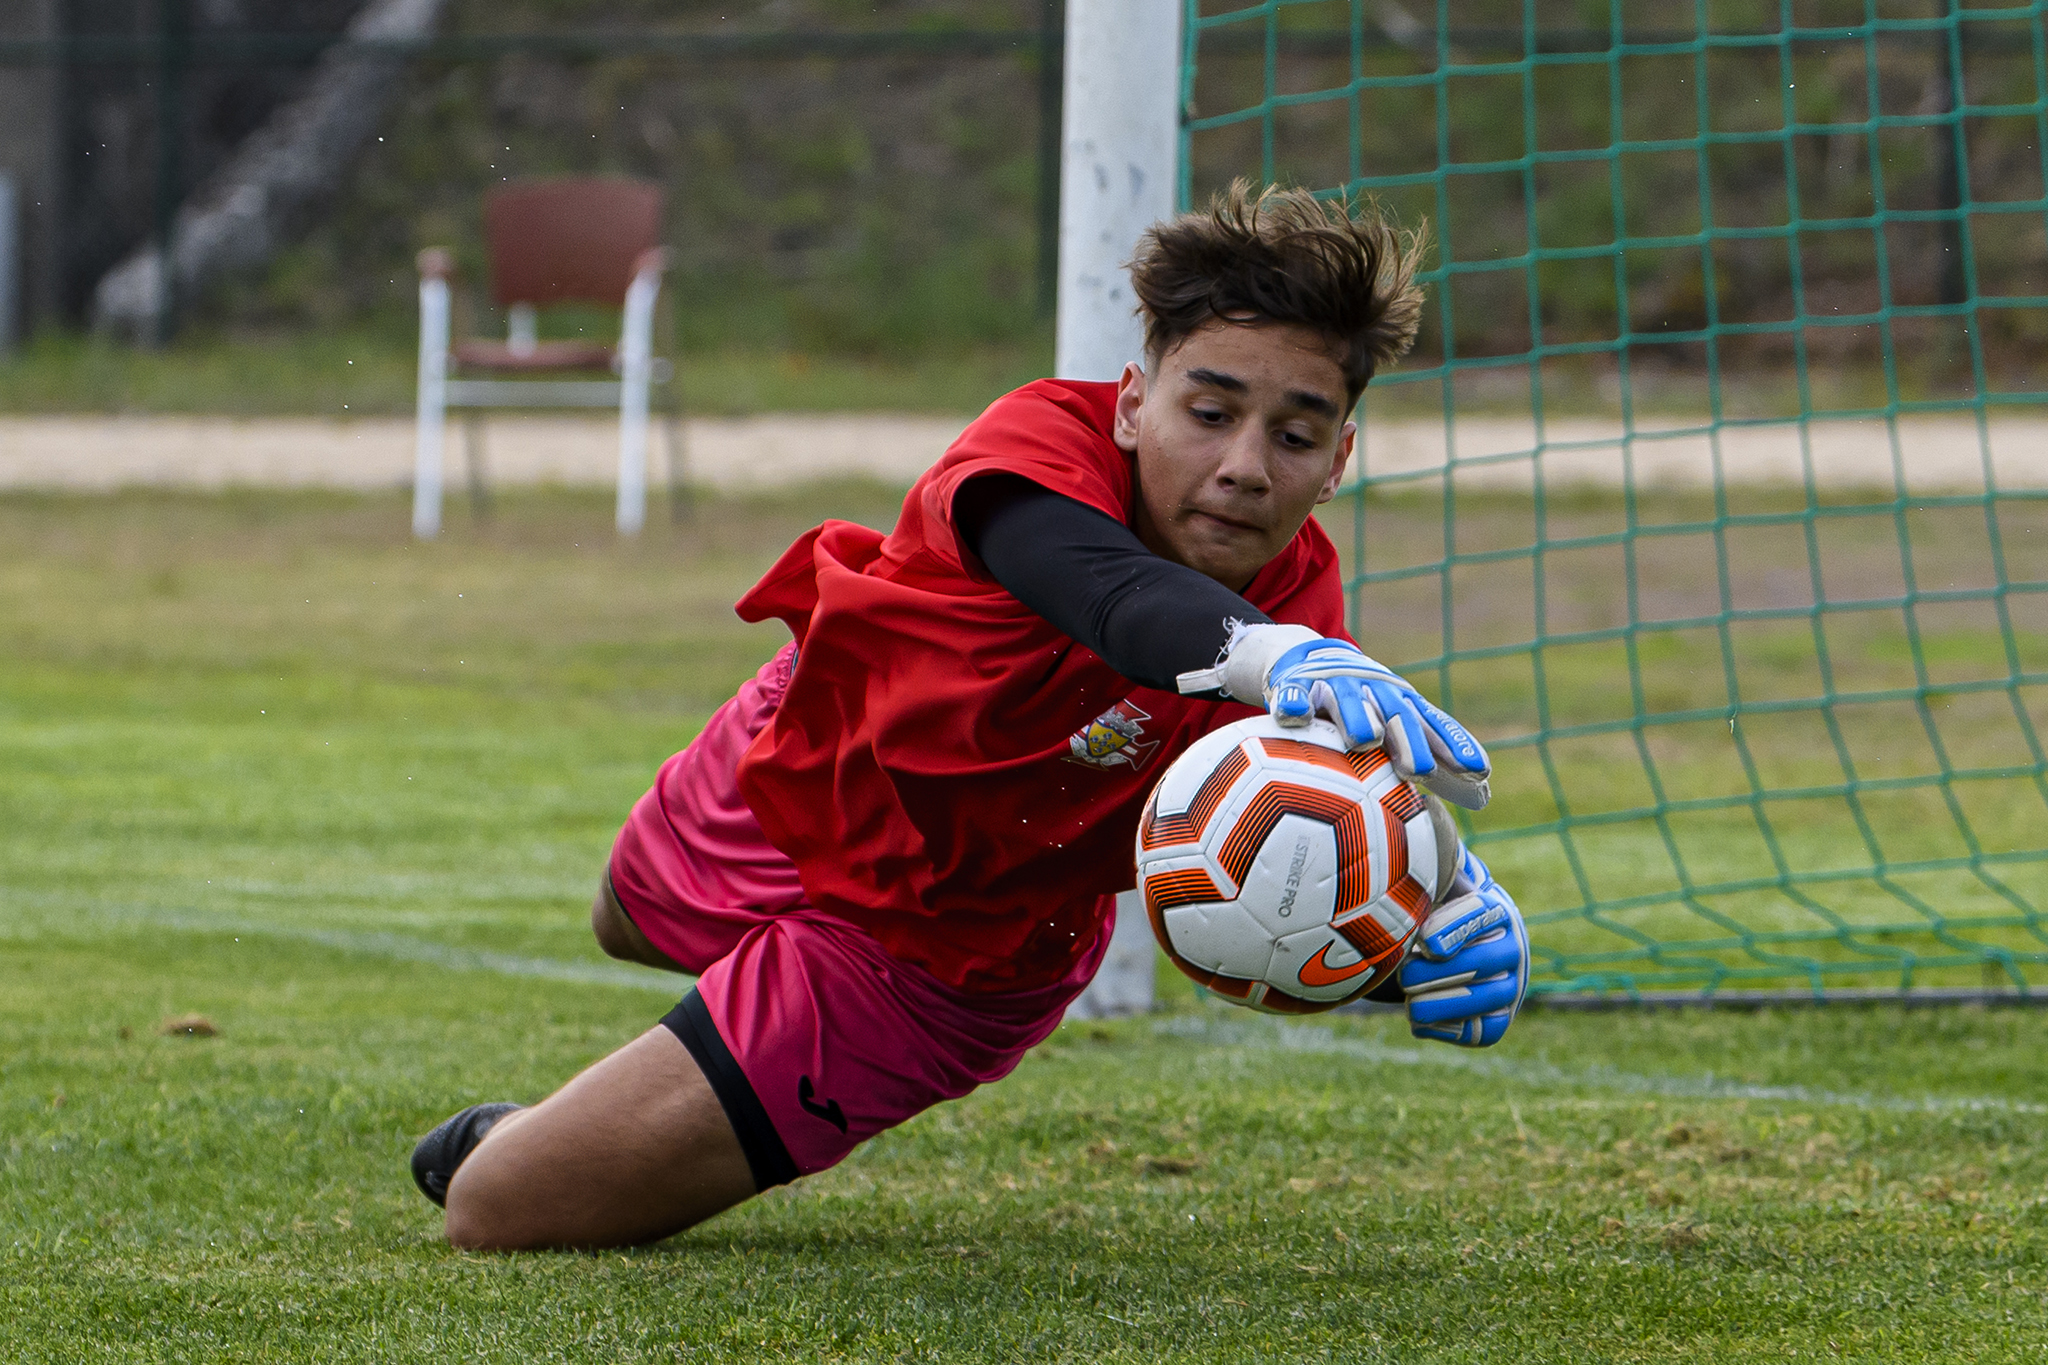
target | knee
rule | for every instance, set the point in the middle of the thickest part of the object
(469, 1230)
(484, 1212)
(494, 1200)
(612, 935)
(620, 938)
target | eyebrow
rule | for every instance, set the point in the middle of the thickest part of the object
(1216, 379)
(1300, 398)
(1313, 402)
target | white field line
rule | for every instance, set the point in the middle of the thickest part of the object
(1321, 1040)
(377, 943)
(1255, 1035)
(371, 453)
(405, 948)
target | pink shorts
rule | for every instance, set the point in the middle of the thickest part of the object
(814, 1038)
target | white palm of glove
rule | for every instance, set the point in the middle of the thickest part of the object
(1298, 675)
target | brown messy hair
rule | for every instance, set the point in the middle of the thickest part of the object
(1283, 255)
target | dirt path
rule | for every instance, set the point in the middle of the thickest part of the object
(110, 452)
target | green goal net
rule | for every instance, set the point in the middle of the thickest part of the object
(1715, 495)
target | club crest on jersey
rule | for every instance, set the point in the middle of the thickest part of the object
(1113, 739)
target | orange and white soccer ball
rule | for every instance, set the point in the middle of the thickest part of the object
(1285, 873)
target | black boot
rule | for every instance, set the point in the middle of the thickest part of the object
(448, 1146)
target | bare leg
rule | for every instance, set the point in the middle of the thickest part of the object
(619, 936)
(632, 1150)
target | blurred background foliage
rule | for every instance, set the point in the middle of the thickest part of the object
(859, 221)
(867, 203)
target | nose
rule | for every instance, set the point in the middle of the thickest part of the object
(1243, 467)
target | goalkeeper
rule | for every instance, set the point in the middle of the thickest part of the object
(891, 859)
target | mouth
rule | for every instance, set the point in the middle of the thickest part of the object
(1229, 523)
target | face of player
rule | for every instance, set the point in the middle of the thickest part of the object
(1239, 433)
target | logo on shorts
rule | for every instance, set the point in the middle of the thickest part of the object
(1111, 740)
(828, 1111)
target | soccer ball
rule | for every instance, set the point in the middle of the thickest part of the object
(1285, 873)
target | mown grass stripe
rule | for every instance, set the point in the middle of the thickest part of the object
(1321, 1040)
(373, 943)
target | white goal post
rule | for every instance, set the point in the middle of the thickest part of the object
(1119, 167)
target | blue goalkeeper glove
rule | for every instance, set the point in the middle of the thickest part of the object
(1298, 675)
(1469, 967)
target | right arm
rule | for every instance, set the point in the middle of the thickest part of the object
(1088, 574)
(1169, 627)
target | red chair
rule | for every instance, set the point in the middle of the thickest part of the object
(551, 241)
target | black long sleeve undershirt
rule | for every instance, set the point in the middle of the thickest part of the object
(1148, 618)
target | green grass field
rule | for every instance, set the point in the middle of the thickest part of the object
(1938, 748)
(264, 759)
(366, 370)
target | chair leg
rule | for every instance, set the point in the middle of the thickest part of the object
(632, 504)
(473, 457)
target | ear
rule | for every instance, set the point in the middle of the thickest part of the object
(1338, 465)
(1130, 398)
